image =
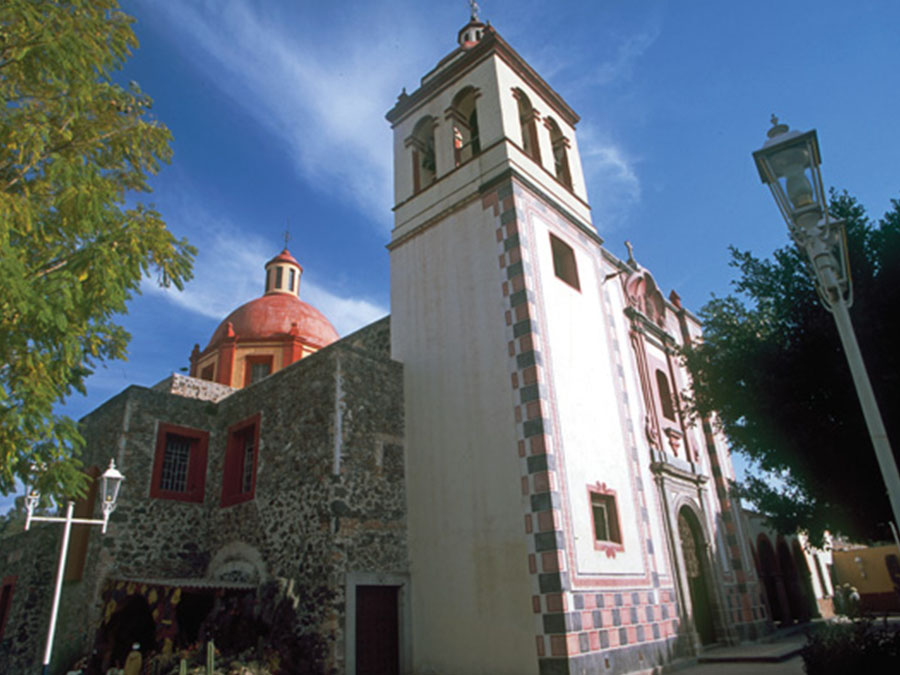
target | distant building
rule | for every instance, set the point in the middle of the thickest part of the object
(499, 478)
(796, 580)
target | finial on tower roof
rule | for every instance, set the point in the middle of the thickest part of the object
(287, 237)
(473, 10)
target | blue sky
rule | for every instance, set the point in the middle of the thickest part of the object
(277, 110)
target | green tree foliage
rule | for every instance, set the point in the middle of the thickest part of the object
(772, 367)
(74, 146)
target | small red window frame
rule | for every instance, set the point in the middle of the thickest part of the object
(196, 478)
(232, 468)
(8, 582)
(611, 548)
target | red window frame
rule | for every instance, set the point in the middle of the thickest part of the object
(196, 472)
(255, 359)
(7, 588)
(233, 467)
(616, 542)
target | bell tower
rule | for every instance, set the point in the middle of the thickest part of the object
(560, 515)
(486, 170)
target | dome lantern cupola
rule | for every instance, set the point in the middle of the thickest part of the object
(283, 274)
(470, 34)
(266, 334)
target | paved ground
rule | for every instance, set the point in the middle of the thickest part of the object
(777, 657)
(793, 666)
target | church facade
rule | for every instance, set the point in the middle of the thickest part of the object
(498, 478)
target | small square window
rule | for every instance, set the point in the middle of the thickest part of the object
(208, 372)
(179, 468)
(564, 265)
(257, 368)
(605, 518)
(239, 472)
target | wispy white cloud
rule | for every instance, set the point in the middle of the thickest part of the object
(228, 271)
(621, 65)
(315, 90)
(611, 174)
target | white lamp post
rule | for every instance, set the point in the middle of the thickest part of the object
(788, 163)
(110, 482)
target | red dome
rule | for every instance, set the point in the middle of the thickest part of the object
(272, 316)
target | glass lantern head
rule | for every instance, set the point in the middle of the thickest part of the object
(110, 482)
(789, 163)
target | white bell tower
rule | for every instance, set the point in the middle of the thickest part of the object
(490, 195)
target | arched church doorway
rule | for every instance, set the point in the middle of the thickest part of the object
(770, 577)
(693, 549)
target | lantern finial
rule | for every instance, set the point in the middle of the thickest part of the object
(777, 128)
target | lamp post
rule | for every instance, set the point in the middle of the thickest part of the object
(110, 482)
(788, 163)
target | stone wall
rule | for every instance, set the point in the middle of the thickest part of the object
(329, 499)
(30, 557)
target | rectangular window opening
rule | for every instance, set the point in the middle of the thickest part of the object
(257, 368)
(179, 467)
(606, 518)
(239, 474)
(176, 458)
(564, 265)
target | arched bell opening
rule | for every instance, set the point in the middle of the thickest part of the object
(463, 114)
(422, 151)
(528, 118)
(560, 145)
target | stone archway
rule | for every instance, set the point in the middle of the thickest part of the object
(693, 547)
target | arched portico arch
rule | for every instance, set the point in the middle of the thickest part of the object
(805, 577)
(796, 601)
(770, 575)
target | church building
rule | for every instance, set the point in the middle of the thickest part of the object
(498, 478)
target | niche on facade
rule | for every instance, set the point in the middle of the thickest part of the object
(237, 562)
(643, 295)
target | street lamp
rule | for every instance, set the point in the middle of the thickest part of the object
(110, 482)
(788, 163)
